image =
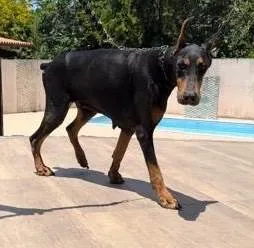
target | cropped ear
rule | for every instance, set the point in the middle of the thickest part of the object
(181, 42)
(211, 46)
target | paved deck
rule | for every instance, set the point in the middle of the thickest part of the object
(213, 180)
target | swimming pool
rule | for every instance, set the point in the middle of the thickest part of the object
(223, 128)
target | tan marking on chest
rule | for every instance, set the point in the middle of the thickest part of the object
(157, 114)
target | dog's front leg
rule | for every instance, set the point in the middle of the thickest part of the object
(145, 138)
(147, 119)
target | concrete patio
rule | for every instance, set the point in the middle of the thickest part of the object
(213, 180)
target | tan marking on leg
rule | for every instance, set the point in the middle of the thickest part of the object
(118, 154)
(82, 117)
(165, 197)
(40, 167)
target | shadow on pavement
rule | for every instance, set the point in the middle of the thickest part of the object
(191, 210)
(33, 211)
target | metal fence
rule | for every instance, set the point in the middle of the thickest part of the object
(208, 106)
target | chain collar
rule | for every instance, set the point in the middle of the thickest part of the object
(165, 50)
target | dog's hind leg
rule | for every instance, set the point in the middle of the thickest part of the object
(53, 117)
(118, 154)
(83, 116)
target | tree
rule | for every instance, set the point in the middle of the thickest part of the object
(16, 22)
(239, 32)
(64, 25)
(120, 19)
(16, 17)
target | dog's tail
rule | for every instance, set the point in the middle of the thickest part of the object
(44, 66)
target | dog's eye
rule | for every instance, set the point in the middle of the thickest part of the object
(182, 66)
(202, 67)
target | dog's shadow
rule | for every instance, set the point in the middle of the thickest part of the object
(191, 210)
(191, 207)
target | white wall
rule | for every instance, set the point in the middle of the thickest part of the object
(23, 90)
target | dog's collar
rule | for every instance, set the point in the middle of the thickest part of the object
(164, 51)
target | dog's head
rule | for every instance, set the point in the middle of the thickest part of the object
(192, 62)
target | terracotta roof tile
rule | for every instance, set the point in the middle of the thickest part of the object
(13, 43)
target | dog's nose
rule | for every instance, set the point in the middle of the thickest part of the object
(190, 97)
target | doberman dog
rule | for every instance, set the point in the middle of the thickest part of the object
(130, 86)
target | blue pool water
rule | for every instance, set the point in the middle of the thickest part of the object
(197, 126)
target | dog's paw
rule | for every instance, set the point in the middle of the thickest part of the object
(44, 171)
(115, 178)
(82, 160)
(84, 164)
(170, 203)
(166, 200)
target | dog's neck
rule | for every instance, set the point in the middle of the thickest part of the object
(168, 65)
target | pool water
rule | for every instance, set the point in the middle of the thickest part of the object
(223, 128)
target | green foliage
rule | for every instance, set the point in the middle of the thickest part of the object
(120, 20)
(16, 22)
(15, 19)
(62, 25)
(239, 33)
(55, 26)
(155, 21)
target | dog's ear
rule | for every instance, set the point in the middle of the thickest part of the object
(181, 42)
(211, 46)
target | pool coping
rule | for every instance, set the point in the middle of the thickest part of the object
(24, 124)
(194, 128)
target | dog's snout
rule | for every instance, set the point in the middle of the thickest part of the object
(189, 97)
